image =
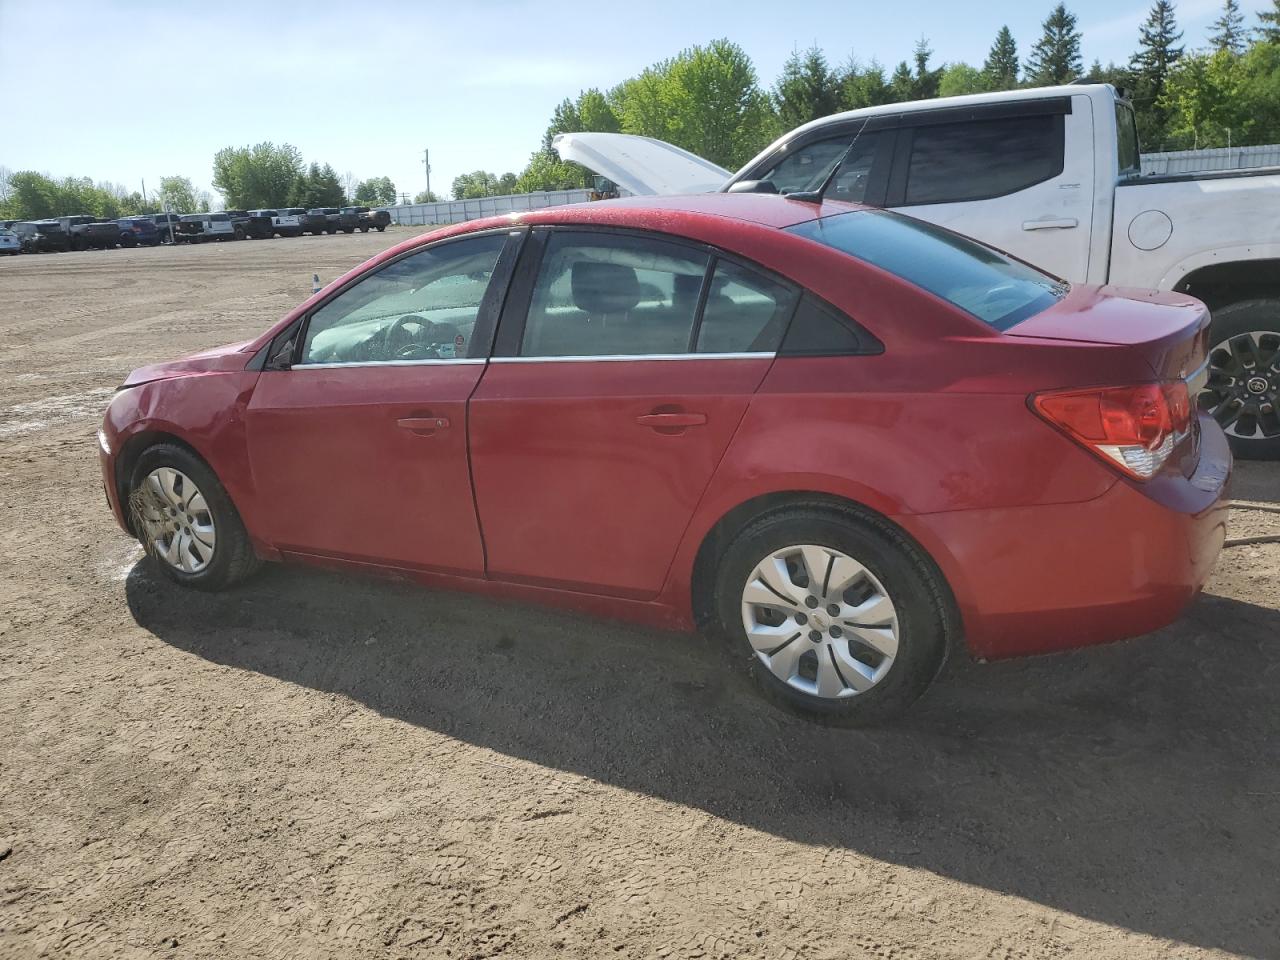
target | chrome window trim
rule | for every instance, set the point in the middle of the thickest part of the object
(386, 363)
(618, 358)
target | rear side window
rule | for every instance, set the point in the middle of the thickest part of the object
(981, 159)
(1127, 140)
(820, 330)
(600, 296)
(805, 168)
(987, 284)
(745, 311)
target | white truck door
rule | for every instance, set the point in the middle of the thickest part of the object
(1018, 175)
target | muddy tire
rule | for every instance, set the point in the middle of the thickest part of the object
(186, 522)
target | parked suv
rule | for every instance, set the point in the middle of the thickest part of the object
(167, 225)
(85, 231)
(255, 226)
(366, 218)
(283, 223)
(42, 236)
(138, 231)
(199, 227)
(10, 243)
(323, 220)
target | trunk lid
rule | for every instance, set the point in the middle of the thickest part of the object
(1171, 330)
(641, 165)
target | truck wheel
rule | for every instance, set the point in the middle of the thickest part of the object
(364, 229)
(1243, 393)
(348, 229)
(239, 234)
(381, 228)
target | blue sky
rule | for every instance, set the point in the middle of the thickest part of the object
(366, 86)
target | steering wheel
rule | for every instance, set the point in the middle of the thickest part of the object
(400, 342)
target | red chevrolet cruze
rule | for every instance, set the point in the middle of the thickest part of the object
(845, 439)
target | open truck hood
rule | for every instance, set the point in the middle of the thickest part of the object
(641, 165)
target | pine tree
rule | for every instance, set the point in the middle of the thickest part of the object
(808, 89)
(1055, 58)
(1269, 31)
(902, 83)
(926, 82)
(1157, 52)
(1228, 29)
(1001, 67)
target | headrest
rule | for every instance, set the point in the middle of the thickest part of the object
(601, 288)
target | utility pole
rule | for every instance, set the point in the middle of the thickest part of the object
(426, 162)
(144, 191)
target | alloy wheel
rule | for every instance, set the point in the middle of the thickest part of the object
(820, 621)
(1243, 392)
(178, 524)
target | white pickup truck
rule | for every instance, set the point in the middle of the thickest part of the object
(1053, 176)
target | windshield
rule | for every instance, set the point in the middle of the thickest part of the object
(983, 282)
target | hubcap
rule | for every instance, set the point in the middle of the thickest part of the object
(820, 621)
(1243, 392)
(178, 524)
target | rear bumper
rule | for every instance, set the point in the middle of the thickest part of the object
(1037, 579)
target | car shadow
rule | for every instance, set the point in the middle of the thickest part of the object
(1135, 784)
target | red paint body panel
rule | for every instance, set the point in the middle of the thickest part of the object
(327, 443)
(572, 491)
(1042, 544)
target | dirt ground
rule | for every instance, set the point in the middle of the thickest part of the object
(319, 765)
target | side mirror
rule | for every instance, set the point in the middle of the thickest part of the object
(753, 186)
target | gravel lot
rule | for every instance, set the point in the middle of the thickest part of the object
(327, 766)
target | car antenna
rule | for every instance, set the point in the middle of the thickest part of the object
(815, 196)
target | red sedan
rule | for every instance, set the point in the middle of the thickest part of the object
(847, 440)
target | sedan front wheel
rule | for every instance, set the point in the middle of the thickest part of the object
(186, 521)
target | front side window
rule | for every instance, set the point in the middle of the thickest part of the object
(983, 282)
(422, 307)
(805, 168)
(600, 295)
(980, 159)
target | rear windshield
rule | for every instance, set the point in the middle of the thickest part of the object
(994, 288)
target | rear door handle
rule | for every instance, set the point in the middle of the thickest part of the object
(659, 420)
(423, 425)
(1065, 223)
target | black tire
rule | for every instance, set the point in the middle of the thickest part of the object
(1255, 387)
(238, 234)
(233, 556)
(364, 229)
(332, 231)
(381, 228)
(920, 598)
(348, 229)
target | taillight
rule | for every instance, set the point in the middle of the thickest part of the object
(1135, 428)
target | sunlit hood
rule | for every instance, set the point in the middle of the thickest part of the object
(233, 356)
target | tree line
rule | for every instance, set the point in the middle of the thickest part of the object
(264, 176)
(709, 100)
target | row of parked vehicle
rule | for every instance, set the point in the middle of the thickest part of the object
(80, 232)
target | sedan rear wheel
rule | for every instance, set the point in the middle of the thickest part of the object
(186, 521)
(838, 615)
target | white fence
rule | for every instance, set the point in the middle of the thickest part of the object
(1218, 158)
(456, 211)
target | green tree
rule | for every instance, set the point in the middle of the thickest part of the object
(318, 187)
(717, 109)
(902, 83)
(1269, 23)
(376, 192)
(546, 172)
(864, 87)
(959, 79)
(808, 89)
(1158, 51)
(478, 183)
(426, 196)
(595, 114)
(1055, 58)
(259, 176)
(1204, 97)
(1228, 31)
(177, 195)
(1001, 66)
(926, 80)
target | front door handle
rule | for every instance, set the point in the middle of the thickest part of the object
(1065, 223)
(424, 426)
(671, 423)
